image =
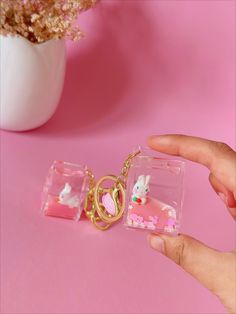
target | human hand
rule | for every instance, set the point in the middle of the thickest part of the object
(215, 270)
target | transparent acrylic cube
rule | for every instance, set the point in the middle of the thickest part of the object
(154, 194)
(64, 191)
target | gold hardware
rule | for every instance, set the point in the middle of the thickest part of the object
(118, 196)
(93, 206)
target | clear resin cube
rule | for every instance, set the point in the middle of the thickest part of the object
(64, 191)
(154, 194)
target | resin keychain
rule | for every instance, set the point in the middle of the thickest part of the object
(148, 193)
(154, 193)
(70, 189)
(64, 190)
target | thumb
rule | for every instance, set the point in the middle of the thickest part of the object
(212, 268)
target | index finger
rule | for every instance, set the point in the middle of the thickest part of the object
(218, 157)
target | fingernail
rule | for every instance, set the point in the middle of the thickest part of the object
(157, 243)
(223, 198)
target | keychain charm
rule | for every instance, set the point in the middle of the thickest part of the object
(70, 189)
(64, 190)
(148, 193)
(154, 193)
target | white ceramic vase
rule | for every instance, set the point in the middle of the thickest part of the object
(31, 81)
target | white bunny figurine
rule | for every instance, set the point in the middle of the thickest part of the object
(141, 189)
(65, 197)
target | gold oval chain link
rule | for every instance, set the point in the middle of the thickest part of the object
(93, 207)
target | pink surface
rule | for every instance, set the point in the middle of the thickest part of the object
(145, 67)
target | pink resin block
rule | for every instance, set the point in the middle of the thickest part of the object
(154, 215)
(64, 190)
(55, 209)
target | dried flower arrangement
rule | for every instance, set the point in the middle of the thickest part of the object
(42, 20)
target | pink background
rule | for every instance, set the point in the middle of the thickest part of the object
(145, 67)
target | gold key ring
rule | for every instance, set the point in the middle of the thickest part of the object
(103, 216)
(117, 194)
(101, 226)
(91, 212)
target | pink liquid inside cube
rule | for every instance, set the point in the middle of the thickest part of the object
(55, 209)
(154, 214)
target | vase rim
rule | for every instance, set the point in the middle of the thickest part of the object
(28, 41)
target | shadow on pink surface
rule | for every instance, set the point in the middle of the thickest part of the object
(103, 74)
